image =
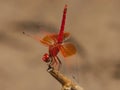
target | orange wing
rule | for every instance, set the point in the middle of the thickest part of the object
(47, 40)
(67, 49)
(51, 39)
(38, 38)
(66, 36)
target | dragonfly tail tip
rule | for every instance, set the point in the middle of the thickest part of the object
(65, 5)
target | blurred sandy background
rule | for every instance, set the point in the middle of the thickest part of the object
(95, 29)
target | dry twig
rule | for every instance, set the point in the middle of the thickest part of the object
(66, 83)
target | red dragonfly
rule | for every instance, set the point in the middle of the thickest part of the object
(55, 43)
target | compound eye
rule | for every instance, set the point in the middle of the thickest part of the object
(45, 57)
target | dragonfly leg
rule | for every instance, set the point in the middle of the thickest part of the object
(53, 62)
(57, 63)
(60, 63)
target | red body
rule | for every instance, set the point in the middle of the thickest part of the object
(55, 44)
(61, 33)
(54, 47)
(53, 50)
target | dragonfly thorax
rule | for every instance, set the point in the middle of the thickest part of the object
(53, 50)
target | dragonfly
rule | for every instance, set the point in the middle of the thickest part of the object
(56, 43)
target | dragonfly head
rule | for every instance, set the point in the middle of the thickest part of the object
(46, 58)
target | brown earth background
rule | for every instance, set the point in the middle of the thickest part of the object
(95, 30)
